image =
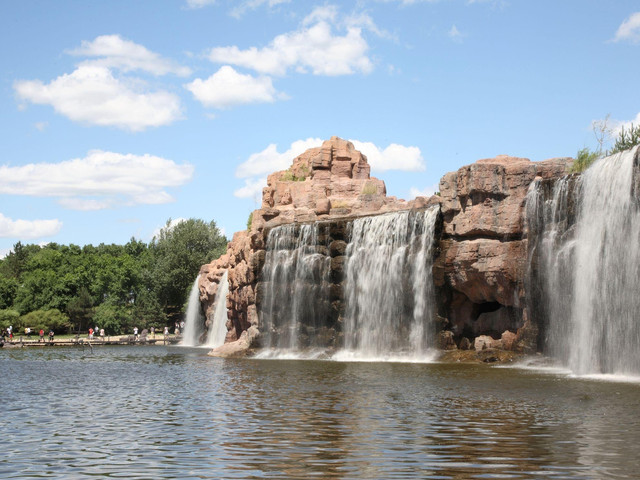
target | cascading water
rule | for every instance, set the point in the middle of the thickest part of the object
(588, 272)
(295, 275)
(194, 321)
(389, 289)
(218, 326)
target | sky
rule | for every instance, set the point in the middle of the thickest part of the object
(119, 115)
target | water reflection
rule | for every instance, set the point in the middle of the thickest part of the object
(136, 412)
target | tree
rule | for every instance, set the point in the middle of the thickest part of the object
(177, 254)
(626, 139)
(80, 310)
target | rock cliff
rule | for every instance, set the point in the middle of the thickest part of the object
(479, 270)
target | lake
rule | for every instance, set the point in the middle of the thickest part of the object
(166, 413)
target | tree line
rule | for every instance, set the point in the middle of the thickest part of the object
(68, 288)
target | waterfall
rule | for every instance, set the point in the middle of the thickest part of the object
(389, 290)
(369, 299)
(194, 321)
(295, 275)
(218, 326)
(586, 270)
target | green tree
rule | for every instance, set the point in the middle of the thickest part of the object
(46, 320)
(626, 139)
(115, 319)
(177, 254)
(80, 310)
(9, 317)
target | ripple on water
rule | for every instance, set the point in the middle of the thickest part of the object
(136, 412)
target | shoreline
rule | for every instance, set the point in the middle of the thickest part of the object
(78, 341)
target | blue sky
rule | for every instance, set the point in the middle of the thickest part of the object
(117, 115)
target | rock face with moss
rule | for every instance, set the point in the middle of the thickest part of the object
(480, 268)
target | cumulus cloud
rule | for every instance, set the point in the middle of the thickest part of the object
(92, 95)
(227, 88)
(252, 188)
(200, 3)
(270, 160)
(99, 180)
(393, 157)
(424, 192)
(246, 5)
(116, 52)
(629, 30)
(314, 47)
(26, 229)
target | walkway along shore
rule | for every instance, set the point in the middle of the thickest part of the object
(78, 341)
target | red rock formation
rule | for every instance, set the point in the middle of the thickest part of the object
(484, 250)
(481, 266)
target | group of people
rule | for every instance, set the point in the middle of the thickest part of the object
(7, 333)
(93, 331)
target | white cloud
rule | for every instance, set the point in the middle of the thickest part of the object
(455, 34)
(393, 157)
(125, 55)
(200, 3)
(425, 192)
(99, 180)
(313, 47)
(227, 88)
(252, 188)
(270, 160)
(24, 229)
(629, 30)
(246, 5)
(41, 126)
(92, 95)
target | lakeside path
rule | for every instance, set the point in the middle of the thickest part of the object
(21, 342)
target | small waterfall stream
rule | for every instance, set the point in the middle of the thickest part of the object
(296, 274)
(588, 267)
(194, 320)
(194, 325)
(218, 326)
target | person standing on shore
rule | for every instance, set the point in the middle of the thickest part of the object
(135, 333)
(90, 333)
(102, 334)
(51, 335)
(41, 335)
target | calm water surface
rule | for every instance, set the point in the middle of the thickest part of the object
(149, 412)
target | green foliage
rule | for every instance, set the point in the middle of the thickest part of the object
(584, 159)
(9, 317)
(46, 320)
(113, 286)
(369, 189)
(289, 176)
(249, 221)
(8, 291)
(177, 254)
(626, 139)
(80, 310)
(115, 319)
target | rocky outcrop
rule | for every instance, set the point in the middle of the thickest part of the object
(481, 265)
